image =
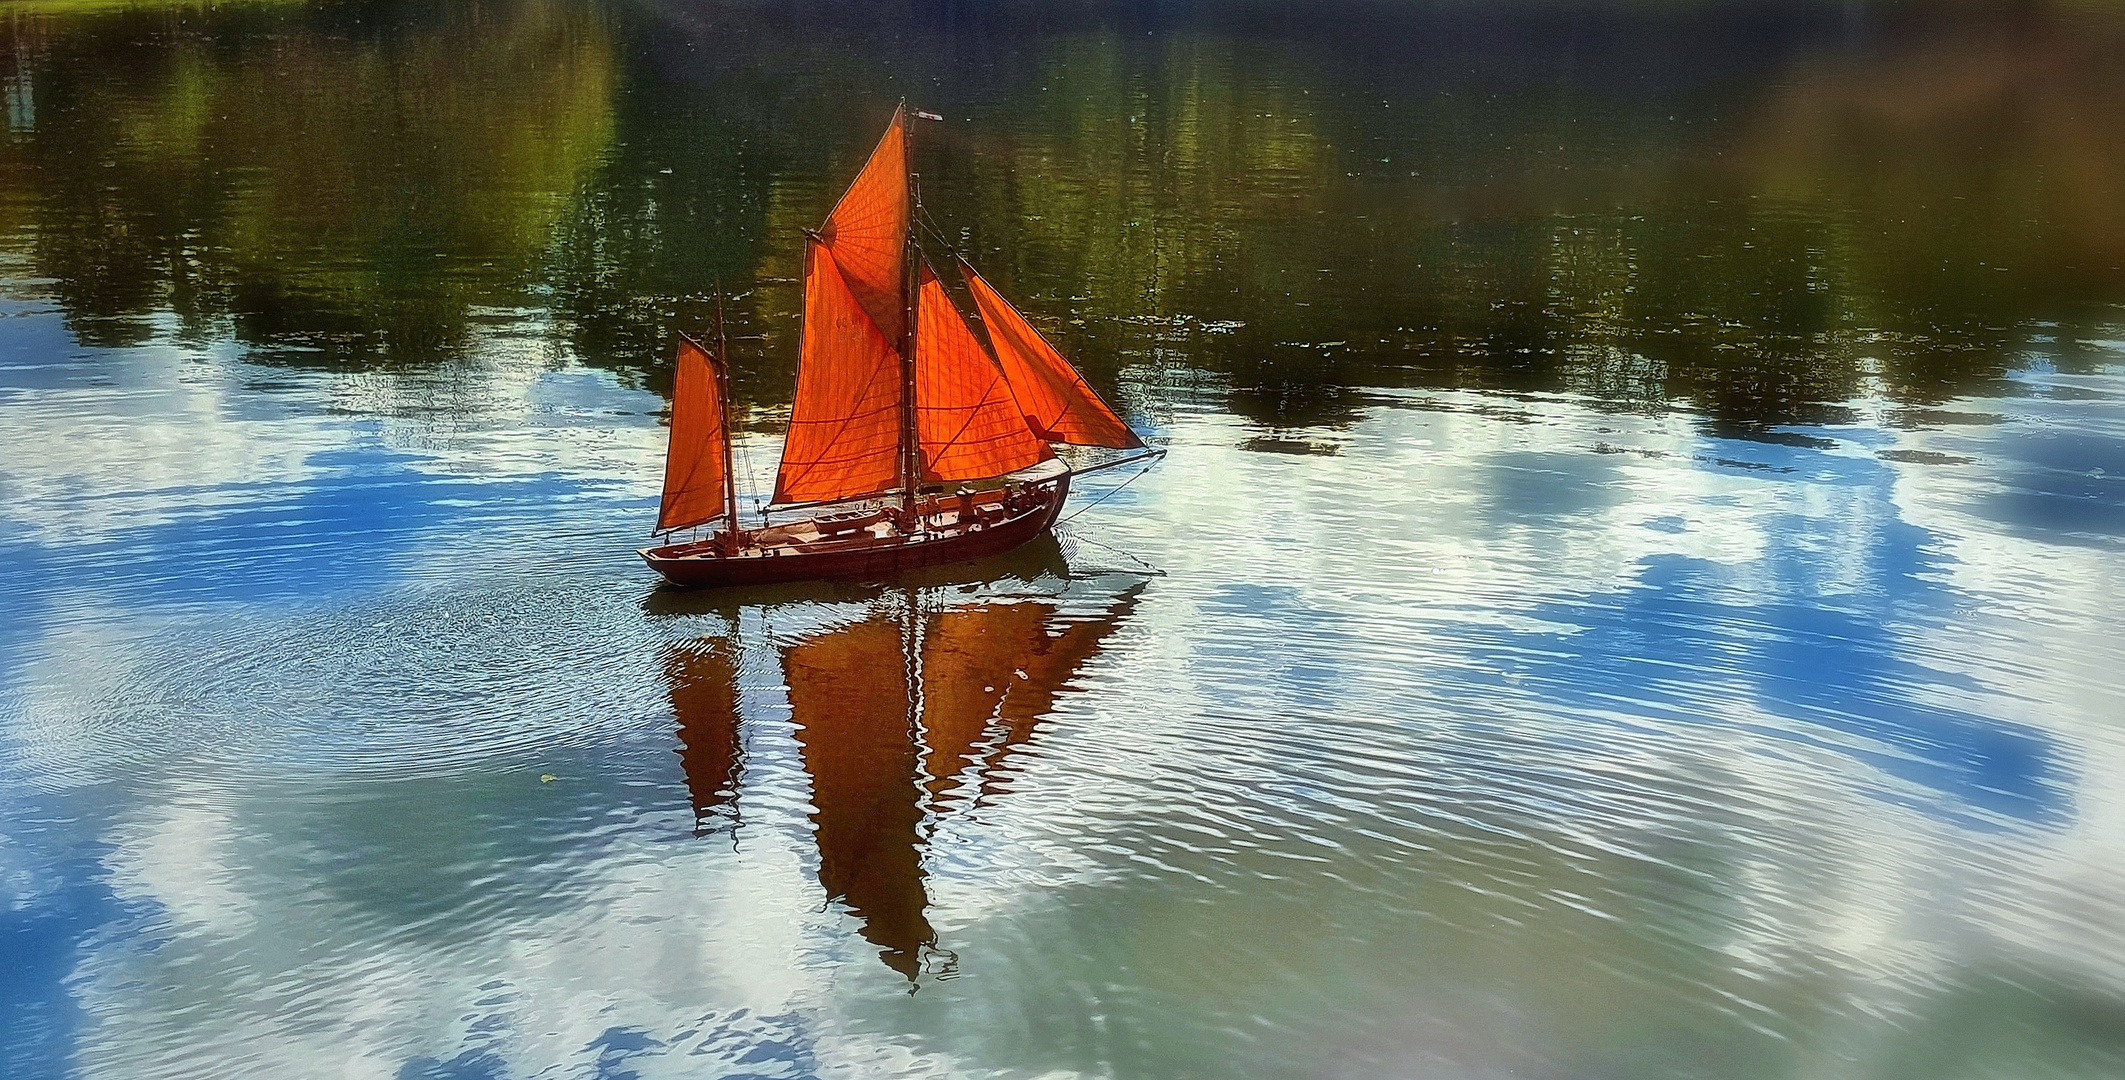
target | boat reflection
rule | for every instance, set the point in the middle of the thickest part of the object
(899, 718)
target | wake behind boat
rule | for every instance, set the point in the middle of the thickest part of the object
(912, 442)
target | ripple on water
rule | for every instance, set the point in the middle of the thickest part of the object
(416, 681)
(1440, 738)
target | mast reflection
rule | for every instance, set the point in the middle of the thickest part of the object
(899, 718)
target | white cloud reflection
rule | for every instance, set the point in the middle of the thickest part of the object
(1515, 724)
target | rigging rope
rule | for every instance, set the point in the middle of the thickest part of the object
(752, 476)
(924, 220)
(1111, 492)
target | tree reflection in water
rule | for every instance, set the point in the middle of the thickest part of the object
(317, 187)
(900, 718)
(1757, 212)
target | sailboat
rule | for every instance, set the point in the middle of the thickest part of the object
(912, 442)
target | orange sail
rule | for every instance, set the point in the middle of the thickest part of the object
(844, 432)
(693, 465)
(1059, 405)
(868, 232)
(969, 425)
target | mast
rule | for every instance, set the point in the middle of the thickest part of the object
(910, 441)
(732, 535)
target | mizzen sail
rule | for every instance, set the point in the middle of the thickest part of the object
(1059, 405)
(844, 432)
(969, 425)
(694, 477)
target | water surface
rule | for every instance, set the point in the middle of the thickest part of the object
(1631, 593)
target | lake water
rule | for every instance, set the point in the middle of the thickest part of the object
(1634, 592)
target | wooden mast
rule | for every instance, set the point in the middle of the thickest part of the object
(910, 444)
(733, 536)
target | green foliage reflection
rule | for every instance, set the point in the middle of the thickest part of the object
(1755, 210)
(301, 180)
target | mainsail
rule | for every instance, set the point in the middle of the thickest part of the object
(844, 431)
(1059, 405)
(694, 476)
(845, 425)
(864, 404)
(969, 425)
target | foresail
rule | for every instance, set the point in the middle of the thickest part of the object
(844, 432)
(1059, 405)
(693, 464)
(868, 231)
(969, 425)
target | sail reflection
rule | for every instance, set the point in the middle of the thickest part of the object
(848, 691)
(991, 673)
(899, 718)
(703, 676)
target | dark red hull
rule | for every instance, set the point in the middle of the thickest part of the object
(955, 530)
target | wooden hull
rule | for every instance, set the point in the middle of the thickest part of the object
(954, 530)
